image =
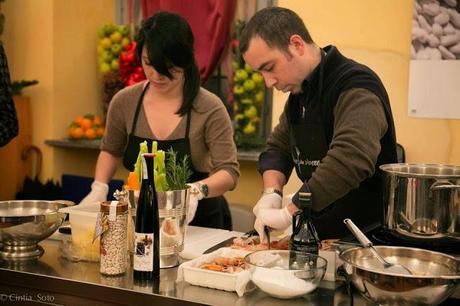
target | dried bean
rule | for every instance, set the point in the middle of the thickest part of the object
(442, 18)
(454, 17)
(423, 23)
(432, 40)
(455, 49)
(436, 29)
(449, 40)
(452, 3)
(446, 54)
(431, 9)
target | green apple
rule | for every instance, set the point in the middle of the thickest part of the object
(247, 101)
(238, 90)
(115, 64)
(248, 68)
(257, 78)
(107, 56)
(116, 49)
(123, 29)
(108, 29)
(104, 67)
(259, 97)
(241, 75)
(235, 65)
(249, 85)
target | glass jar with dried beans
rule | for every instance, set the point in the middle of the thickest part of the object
(114, 252)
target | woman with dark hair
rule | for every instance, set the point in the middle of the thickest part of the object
(171, 108)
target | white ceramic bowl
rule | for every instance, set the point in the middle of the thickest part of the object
(286, 274)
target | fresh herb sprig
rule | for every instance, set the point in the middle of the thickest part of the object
(177, 172)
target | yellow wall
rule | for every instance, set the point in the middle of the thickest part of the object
(54, 41)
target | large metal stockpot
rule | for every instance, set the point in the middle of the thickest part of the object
(422, 201)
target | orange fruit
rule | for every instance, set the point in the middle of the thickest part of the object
(90, 134)
(97, 120)
(76, 132)
(86, 123)
(100, 132)
(78, 119)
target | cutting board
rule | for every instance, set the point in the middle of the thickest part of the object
(199, 239)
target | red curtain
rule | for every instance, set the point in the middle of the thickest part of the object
(211, 23)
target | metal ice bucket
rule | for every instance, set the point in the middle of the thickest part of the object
(172, 207)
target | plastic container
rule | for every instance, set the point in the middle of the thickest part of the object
(82, 221)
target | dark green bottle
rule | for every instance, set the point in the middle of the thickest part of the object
(304, 238)
(147, 240)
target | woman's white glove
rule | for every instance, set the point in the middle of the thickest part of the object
(267, 200)
(97, 194)
(278, 219)
(195, 196)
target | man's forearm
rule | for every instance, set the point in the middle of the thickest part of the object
(274, 178)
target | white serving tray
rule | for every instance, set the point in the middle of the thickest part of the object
(191, 273)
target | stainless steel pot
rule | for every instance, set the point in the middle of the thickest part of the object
(422, 201)
(435, 275)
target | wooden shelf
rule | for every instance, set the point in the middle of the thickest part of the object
(79, 144)
(243, 155)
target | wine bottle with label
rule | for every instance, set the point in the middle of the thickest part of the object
(147, 244)
(304, 237)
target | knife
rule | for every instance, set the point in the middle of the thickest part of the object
(226, 243)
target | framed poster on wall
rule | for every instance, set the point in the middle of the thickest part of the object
(434, 80)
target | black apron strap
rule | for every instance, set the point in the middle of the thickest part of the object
(187, 128)
(138, 108)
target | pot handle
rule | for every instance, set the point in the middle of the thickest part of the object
(443, 185)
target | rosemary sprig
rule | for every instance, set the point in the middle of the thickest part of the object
(177, 172)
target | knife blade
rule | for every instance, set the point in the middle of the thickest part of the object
(226, 243)
(267, 233)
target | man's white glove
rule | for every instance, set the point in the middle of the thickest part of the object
(195, 196)
(97, 194)
(278, 219)
(267, 200)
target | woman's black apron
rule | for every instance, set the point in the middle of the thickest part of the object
(311, 133)
(211, 212)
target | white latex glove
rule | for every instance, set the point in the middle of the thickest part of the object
(195, 196)
(267, 200)
(97, 194)
(278, 219)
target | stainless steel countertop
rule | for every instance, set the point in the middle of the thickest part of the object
(52, 267)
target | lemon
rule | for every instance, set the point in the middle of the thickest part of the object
(116, 37)
(251, 112)
(249, 129)
(105, 43)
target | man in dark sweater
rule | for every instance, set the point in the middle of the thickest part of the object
(336, 128)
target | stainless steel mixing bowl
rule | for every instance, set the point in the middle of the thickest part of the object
(25, 223)
(435, 275)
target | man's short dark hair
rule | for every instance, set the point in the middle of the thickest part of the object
(275, 25)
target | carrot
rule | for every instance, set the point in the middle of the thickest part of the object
(133, 181)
